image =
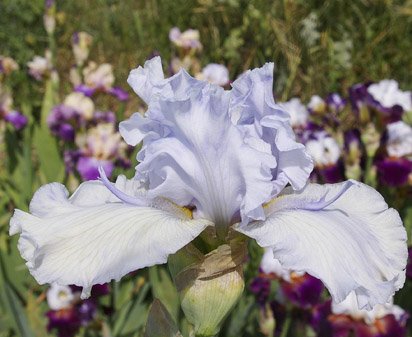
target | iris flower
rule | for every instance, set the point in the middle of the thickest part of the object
(221, 159)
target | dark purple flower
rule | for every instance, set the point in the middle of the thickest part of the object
(66, 132)
(119, 93)
(333, 173)
(303, 290)
(387, 326)
(17, 119)
(62, 120)
(358, 96)
(352, 138)
(319, 319)
(70, 159)
(86, 311)
(88, 167)
(409, 265)
(100, 290)
(260, 286)
(394, 172)
(65, 321)
(335, 102)
(389, 115)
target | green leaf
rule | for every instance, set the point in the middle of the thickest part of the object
(132, 315)
(164, 289)
(160, 323)
(51, 164)
(14, 308)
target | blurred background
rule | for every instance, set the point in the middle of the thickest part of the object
(343, 70)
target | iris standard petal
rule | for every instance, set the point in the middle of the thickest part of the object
(344, 234)
(253, 104)
(193, 154)
(92, 237)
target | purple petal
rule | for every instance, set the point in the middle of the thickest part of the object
(17, 119)
(88, 167)
(304, 291)
(394, 172)
(119, 93)
(87, 91)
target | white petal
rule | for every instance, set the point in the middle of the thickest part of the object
(253, 103)
(270, 265)
(350, 307)
(343, 234)
(84, 242)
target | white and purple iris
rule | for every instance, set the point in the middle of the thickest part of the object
(224, 159)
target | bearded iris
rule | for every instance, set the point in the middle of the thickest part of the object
(225, 161)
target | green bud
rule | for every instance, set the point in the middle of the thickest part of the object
(208, 285)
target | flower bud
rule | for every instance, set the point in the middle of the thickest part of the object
(209, 285)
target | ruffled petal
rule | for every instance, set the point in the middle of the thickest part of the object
(92, 237)
(253, 104)
(344, 234)
(193, 154)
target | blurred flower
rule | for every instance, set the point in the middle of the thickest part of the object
(394, 172)
(359, 99)
(388, 94)
(40, 66)
(324, 150)
(384, 320)
(298, 113)
(7, 65)
(68, 313)
(101, 147)
(396, 169)
(15, 118)
(300, 288)
(64, 119)
(221, 161)
(409, 265)
(189, 39)
(316, 105)
(214, 73)
(100, 78)
(189, 63)
(59, 297)
(326, 154)
(399, 141)
(49, 17)
(83, 105)
(81, 42)
(335, 102)
(353, 154)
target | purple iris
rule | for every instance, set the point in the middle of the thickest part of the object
(119, 93)
(394, 172)
(17, 119)
(409, 265)
(304, 291)
(88, 167)
(68, 321)
(260, 286)
(62, 121)
(335, 102)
